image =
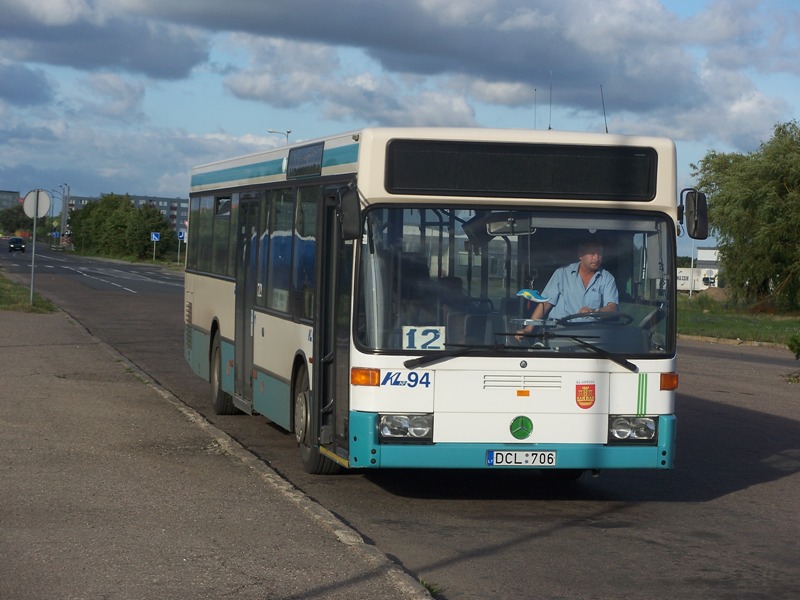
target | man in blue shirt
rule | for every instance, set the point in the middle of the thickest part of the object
(582, 287)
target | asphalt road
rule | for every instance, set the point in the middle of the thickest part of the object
(722, 524)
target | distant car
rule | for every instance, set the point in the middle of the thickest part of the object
(16, 244)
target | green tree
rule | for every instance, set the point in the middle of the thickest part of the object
(754, 210)
(14, 219)
(97, 227)
(146, 220)
(80, 225)
(113, 227)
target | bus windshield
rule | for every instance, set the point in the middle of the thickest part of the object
(440, 278)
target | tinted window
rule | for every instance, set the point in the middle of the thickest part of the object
(521, 170)
(304, 257)
(280, 248)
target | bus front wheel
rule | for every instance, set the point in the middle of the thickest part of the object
(220, 400)
(313, 461)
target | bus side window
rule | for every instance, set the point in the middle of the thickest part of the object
(202, 231)
(280, 250)
(304, 252)
(263, 253)
(194, 233)
(220, 240)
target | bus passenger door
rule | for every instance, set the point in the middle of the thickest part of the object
(332, 334)
(247, 247)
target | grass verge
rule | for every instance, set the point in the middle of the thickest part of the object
(15, 297)
(702, 315)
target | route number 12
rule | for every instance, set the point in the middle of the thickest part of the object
(423, 338)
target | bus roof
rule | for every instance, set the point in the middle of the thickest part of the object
(359, 151)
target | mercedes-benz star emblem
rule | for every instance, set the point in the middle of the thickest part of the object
(521, 427)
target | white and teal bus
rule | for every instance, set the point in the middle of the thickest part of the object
(363, 291)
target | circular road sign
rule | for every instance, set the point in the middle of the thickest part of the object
(34, 210)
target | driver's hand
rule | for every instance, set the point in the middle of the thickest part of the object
(586, 309)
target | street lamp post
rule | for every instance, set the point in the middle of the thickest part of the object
(60, 195)
(286, 133)
(65, 198)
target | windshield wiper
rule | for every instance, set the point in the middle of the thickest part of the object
(622, 362)
(440, 355)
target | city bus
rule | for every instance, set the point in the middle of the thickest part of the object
(365, 292)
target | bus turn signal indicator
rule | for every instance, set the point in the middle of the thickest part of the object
(363, 376)
(669, 381)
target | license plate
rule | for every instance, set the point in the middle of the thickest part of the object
(515, 458)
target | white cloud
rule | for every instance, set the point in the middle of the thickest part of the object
(78, 78)
(501, 93)
(112, 96)
(282, 73)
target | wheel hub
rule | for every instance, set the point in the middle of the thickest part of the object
(300, 417)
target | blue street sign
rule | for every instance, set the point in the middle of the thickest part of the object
(155, 236)
(181, 235)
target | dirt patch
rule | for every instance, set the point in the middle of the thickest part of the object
(716, 294)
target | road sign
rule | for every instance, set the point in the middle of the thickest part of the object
(155, 236)
(181, 235)
(36, 203)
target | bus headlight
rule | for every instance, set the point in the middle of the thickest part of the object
(630, 429)
(405, 428)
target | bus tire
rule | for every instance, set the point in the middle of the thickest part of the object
(221, 401)
(313, 462)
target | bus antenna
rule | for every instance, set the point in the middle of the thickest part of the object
(603, 101)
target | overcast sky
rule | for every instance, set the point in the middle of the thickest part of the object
(125, 96)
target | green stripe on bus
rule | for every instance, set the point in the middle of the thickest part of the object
(256, 170)
(332, 157)
(342, 155)
(641, 401)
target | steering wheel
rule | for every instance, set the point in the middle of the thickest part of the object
(617, 318)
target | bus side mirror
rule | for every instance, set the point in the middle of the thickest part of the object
(350, 214)
(696, 211)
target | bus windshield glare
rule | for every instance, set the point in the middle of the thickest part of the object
(443, 278)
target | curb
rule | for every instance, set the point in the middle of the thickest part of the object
(729, 342)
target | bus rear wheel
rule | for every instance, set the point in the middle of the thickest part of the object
(313, 461)
(220, 400)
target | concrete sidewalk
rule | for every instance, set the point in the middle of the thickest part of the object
(112, 488)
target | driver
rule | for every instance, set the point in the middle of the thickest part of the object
(578, 288)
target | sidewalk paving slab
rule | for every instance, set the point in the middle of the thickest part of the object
(110, 487)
